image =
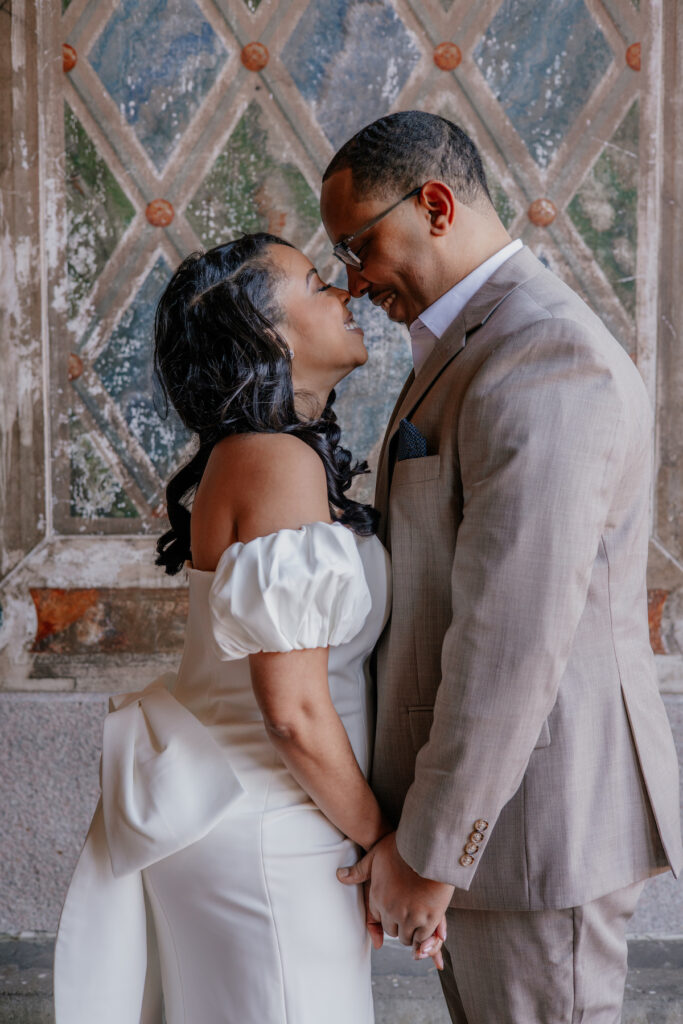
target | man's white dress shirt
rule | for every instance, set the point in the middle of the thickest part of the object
(432, 323)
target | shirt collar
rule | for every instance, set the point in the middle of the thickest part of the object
(433, 322)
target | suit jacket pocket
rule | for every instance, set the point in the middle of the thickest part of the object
(420, 722)
(416, 471)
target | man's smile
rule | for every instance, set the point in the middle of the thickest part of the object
(384, 298)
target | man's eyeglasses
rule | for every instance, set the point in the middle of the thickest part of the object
(342, 251)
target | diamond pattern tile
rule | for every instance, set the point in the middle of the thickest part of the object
(98, 211)
(158, 59)
(542, 61)
(125, 368)
(350, 59)
(252, 188)
(94, 491)
(605, 209)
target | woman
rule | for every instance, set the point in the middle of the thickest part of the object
(228, 805)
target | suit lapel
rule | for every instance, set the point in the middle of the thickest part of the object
(522, 266)
(414, 390)
(381, 486)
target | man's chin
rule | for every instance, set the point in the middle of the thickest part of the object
(396, 313)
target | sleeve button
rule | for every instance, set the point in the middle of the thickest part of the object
(471, 848)
(480, 825)
(477, 837)
(466, 860)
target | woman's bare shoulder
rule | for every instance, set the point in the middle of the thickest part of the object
(274, 462)
(262, 483)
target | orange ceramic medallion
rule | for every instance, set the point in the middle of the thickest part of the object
(633, 56)
(542, 212)
(255, 56)
(74, 366)
(447, 56)
(69, 57)
(159, 213)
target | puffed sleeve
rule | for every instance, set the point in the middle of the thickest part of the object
(288, 591)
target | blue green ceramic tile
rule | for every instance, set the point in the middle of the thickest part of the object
(125, 368)
(250, 188)
(542, 61)
(98, 211)
(605, 209)
(350, 59)
(158, 59)
(93, 489)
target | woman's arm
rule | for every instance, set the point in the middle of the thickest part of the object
(303, 726)
(255, 485)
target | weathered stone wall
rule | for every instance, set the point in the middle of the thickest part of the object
(136, 132)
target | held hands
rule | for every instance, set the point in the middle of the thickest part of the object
(431, 947)
(399, 901)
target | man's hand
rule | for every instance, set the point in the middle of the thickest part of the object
(373, 925)
(403, 902)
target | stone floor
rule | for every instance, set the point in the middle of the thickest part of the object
(405, 992)
(409, 993)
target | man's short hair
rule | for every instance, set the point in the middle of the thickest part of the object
(401, 151)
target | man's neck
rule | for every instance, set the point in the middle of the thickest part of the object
(452, 272)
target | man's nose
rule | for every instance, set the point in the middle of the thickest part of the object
(357, 283)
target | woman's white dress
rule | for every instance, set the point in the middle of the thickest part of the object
(207, 867)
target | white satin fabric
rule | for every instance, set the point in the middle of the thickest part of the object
(290, 590)
(207, 869)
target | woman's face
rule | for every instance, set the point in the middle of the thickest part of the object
(317, 324)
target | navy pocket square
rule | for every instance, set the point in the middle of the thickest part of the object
(411, 443)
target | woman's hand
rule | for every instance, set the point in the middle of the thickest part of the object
(432, 946)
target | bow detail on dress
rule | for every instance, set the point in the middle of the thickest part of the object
(165, 781)
(165, 784)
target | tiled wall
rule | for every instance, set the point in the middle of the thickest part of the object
(188, 123)
(156, 127)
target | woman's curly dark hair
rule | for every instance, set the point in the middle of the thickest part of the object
(226, 370)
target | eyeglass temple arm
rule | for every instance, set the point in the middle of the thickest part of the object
(371, 223)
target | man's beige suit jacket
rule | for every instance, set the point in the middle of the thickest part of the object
(522, 744)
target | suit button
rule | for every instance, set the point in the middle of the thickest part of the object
(472, 848)
(477, 837)
(466, 860)
(481, 825)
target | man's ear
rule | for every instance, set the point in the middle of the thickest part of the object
(440, 203)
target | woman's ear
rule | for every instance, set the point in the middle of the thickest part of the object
(440, 203)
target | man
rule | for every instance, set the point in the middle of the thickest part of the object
(522, 748)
